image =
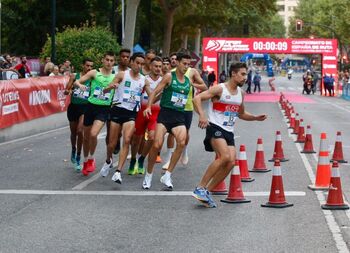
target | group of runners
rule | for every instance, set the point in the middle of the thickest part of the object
(142, 99)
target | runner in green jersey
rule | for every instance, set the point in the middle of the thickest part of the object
(171, 118)
(97, 110)
(75, 112)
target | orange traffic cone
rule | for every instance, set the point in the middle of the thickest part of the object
(296, 125)
(338, 150)
(292, 120)
(301, 132)
(243, 165)
(277, 198)
(278, 151)
(335, 199)
(259, 164)
(235, 194)
(323, 172)
(308, 146)
(221, 188)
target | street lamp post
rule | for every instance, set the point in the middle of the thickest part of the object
(53, 30)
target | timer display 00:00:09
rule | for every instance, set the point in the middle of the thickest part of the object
(280, 46)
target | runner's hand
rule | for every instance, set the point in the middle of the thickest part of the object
(147, 112)
(260, 117)
(67, 92)
(203, 122)
(82, 87)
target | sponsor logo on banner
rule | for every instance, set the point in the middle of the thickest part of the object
(226, 45)
(39, 97)
(61, 98)
(6, 102)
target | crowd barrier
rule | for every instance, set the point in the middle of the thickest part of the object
(31, 98)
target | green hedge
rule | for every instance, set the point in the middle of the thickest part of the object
(75, 44)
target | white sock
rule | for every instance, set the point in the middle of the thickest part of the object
(85, 158)
(149, 174)
(167, 173)
(168, 154)
(91, 157)
(184, 151)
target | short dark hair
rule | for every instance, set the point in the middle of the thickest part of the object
(109, 53)
(157, 58)
(86, 60)
(22, 56)
(135, 55)
(172, 54)
(180, 56)
(151, 51)
(236, 66)
(166, 59)
(124, 50)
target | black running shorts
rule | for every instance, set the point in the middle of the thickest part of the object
(74, 111)
(121, 115)
(171, 118)
(96, 112)
(216, 132)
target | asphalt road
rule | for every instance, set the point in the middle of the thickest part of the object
(47, 207)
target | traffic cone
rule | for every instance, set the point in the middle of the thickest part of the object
(323, 172)
(221, 188)
(277, 198)
(296, 125)
(301, 132)
(259, 164)
(335, 199)
(235, 194)
(292, 120)
(338, 150)
(243, 165)
(308, 146)
(278, 151)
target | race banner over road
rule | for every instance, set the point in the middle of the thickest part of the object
(326, 47)
(31, 98)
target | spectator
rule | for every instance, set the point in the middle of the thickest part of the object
(8, 62)
(256, 81)
(22, 68)
(48, 66)
(222, 77)
(211, 78)
(61, 69)
(249, 81)
(204, 76)
(331, 86)
(55, 71)
(67, 68)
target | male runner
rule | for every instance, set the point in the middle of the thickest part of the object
(166, 65)
(75, 112)
(128, 86)
(123, 64)
(97, 110)
(171, 118)
(143, 123)
(225, 105)
(146, 68)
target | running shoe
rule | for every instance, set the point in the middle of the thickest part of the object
(140, 170)
(184, 159)
(72, 157)
(133, 167)
(117, 177)
(147, 181)
(91, 165)
(106, 168)
(211, 203)
(200, 194)
(159, 159)
(85, 170)
(166, 180)
(77, 165)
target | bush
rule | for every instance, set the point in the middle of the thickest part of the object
(75, 44)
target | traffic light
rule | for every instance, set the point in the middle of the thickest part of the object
(299, 25)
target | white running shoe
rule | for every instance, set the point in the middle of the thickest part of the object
(166, 180)
(147, 181)
(184, 159)
(166, 165)
(117, 177)
(106, 168)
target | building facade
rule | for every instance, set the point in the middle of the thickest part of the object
(286, 10)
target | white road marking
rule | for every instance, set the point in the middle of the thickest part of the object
(331, 222)
(133, 193)
(33, 136)
(88, 181)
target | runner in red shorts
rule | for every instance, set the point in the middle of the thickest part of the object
(144, 124)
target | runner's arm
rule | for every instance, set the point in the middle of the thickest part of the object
(151, 98)
(243, 114)
(198, 82)
(147, 88)
(88, 76)
(115, 83)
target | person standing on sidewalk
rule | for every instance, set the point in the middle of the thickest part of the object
(225, 106)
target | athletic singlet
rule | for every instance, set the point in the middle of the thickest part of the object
(79, 96)
(224, 112)
(153, 85)
(128, 94)
(189, 104)
(175, 94)
(97, 96)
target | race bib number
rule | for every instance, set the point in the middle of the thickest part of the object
(132, 97)
(99, 94)
(78, 93)
(230, 118)
(178, 99)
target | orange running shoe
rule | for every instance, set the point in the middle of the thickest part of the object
(159, 159)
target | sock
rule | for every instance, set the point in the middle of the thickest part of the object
(184, 152)
(168, 154)
(132, 163)
(85, 158)
(149, 174)
(167, 173)
(140, 161)
(91, 157)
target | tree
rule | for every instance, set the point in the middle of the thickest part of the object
(130, 20)
(76, 44)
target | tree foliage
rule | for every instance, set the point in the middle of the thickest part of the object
(76, 44)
